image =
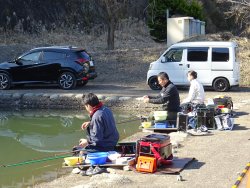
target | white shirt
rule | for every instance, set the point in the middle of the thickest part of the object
(196, 93)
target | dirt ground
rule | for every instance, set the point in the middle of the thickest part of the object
(219, 158)
(122, 72)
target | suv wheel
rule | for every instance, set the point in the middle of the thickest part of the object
(153, 83)
(221, 84)
(5, 81)
(67, 80)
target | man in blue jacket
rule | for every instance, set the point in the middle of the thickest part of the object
(102, 134)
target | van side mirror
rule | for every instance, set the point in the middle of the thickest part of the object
(163, 59)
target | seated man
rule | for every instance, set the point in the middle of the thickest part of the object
(102, 134)
(196, 93)
(196, 97)
(168, 97)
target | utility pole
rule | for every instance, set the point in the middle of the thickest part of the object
(167, 15)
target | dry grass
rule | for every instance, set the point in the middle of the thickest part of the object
(134, 48)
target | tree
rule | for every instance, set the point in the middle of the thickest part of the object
(238, 15)
(157, 14)
(111, 11)
(239, 2)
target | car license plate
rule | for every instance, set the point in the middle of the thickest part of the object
(91, 63)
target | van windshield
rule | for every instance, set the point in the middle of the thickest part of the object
(173, 55)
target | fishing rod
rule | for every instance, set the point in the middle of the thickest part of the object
(130, 120)
(63, 155)
(142, 118)
(34, 161)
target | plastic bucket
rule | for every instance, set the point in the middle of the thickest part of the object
(146, 124)
(97, 158)
(72, 161)
(160, 115)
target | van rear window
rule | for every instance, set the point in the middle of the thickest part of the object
(220, 54)
(197, 54)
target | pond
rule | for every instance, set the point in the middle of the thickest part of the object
(35, 135)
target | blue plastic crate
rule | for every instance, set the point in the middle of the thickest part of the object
(160, 125)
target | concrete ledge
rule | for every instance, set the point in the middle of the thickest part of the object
(69, 101)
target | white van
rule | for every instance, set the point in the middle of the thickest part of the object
(216, 64)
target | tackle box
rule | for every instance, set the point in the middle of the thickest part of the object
(162, 125)
(146, 164)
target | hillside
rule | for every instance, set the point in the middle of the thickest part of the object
(128, 64)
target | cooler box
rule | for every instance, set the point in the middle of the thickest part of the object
(161, 144)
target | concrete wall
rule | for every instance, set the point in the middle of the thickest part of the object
(69, 101)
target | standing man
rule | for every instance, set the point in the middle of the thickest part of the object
(196, 93)
(102, 134)
(168, 97)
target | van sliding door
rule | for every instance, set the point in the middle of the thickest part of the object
(198, 60)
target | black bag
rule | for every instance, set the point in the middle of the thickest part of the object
(205, 116)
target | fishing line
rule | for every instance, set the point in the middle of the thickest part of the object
(63, 155)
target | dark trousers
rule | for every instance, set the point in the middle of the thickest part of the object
(172, 116)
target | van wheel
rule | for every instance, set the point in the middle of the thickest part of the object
(153, 83)
(221, 84)
(67, 80)
(5, 81)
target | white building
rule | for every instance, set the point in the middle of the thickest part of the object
(182, 28)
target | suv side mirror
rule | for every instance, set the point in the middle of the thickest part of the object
(18, 62)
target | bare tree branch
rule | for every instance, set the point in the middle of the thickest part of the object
(241, 2)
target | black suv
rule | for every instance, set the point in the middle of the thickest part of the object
(68, 66)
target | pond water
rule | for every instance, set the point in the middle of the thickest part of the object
(34, 135)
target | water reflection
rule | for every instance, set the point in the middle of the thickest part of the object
(3, 119)
(32, 134)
